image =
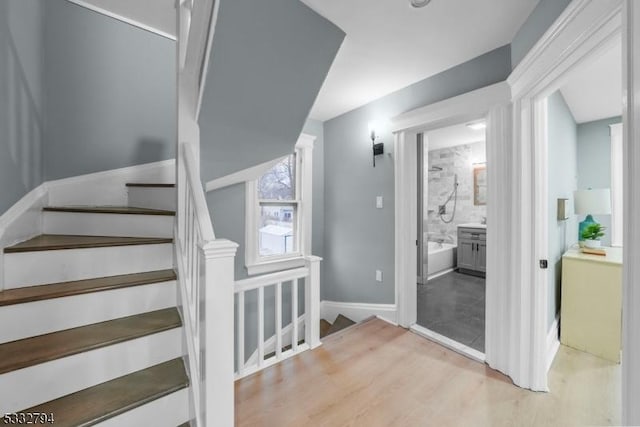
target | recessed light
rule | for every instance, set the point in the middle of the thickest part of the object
(477, 125)
(420, 3)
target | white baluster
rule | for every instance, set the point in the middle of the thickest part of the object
(260, 326)
(278, 320)
(294, 315)
(240, 358)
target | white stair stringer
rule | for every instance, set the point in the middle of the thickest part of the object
(101, 224)
(168, 411)
(51, 315)
(152, 197)
(40, 383)
(63, 265)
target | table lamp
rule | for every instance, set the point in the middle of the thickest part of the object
(591, 202)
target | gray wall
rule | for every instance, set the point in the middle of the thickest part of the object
(540, 19)
(594, 162)
(21, 98)
(563, 181)
(358, 237)
(268, 62)
(110, 93)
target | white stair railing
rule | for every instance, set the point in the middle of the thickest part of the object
(206, 280)
(309, 277)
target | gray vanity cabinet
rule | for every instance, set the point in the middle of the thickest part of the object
(472, 250)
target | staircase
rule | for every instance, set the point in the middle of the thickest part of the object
(341, 322)
(91, 333)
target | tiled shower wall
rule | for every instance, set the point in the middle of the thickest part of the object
(438, 185)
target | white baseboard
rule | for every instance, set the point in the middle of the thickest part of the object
(108, 187)
(553, 341)
(123, 18)
(357, 312)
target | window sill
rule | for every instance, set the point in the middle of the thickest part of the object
(276, 265)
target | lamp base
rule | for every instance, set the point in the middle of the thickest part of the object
(584, 224)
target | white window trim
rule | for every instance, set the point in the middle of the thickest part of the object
(304, 181)
(617, 206)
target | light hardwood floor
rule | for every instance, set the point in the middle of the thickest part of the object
(375, 374)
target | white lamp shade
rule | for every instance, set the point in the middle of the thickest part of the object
(593, 202)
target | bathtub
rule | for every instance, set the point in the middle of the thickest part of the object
(441, 258)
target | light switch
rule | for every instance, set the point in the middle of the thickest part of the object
(379, 202)
(378, 275)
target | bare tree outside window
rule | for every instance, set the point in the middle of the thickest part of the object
(279, 182)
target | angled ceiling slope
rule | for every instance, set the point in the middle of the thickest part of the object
(594, 90)
(390, 45)
(157, 16)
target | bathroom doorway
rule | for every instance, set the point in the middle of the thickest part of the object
(452, 205)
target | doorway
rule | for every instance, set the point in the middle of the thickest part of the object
(452, 234)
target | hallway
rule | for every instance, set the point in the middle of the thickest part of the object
(375, 374)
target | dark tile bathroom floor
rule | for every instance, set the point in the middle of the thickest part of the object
(453, 305)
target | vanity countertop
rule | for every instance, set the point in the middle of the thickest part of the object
(473, 225)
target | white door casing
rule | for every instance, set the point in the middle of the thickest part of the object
(584, 29)
(503, 337)
(631, 167)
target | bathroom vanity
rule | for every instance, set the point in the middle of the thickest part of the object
(472, 249)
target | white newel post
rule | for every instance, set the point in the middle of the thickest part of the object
(312, 302)
(218, 319)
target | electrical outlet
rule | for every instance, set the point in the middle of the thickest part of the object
(378, 275)
(379, 202)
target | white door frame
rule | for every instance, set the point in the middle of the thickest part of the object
(492, 103)
(584, 29)
(631, 268)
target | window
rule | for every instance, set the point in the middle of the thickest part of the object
(278, 200)
(616, 185)
(278, 233)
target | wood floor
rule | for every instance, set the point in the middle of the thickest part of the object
(375, 374)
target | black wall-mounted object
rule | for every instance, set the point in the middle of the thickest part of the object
(377, 150)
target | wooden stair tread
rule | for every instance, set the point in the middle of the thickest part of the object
(47, 242)
(106, 400)
(78, 287)
(125, 210)
(340, 323)
(150, 184)
(43, 348)
(324, 328)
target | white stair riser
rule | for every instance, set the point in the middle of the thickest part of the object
(153, 197)
(168, 411)
(97, 224)
(42, 267)
(42, 317)
(30, 386)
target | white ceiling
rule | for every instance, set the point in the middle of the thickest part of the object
(156, 15)
(452, 136)
(594, 90)
(390, 45)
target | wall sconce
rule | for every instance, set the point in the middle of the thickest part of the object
(378, 148)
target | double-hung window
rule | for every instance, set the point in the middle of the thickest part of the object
(278, 217)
